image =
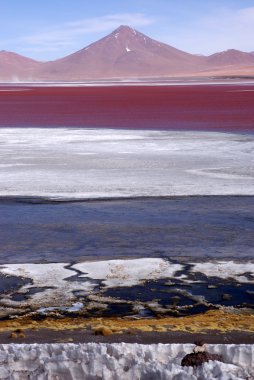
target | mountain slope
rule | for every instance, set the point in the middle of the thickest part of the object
(230, 57)
(16, 67)
(123, 53)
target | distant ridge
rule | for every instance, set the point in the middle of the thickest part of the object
(16, 67)
(230, 57)
(124, 53)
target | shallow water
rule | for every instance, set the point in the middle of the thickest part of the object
(37, 230)
(191, 107)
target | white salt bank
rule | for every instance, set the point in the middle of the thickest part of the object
(94, 163)
(121, 362)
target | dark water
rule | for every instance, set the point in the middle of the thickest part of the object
(184, 298)
(35, 230)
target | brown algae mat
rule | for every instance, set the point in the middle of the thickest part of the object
(219, 320)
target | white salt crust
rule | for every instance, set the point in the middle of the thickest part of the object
(71, 163)
(121, 362)
(60, 292)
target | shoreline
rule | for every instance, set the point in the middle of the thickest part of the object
(148, 81)
(234, 325)
(50, 199)
(77, 336)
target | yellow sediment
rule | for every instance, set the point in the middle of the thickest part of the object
(219, 320)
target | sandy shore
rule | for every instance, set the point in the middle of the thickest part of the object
(215, 326)
(134, 336)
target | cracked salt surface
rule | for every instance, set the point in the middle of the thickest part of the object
(88, 163)
(121, 362)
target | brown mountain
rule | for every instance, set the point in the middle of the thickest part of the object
(230, 57)
(16, 67)
(125, 53)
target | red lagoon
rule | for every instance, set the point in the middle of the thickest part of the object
(197, 107)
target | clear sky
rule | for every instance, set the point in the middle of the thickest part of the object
(50, 29)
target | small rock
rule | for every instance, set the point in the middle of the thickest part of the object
(196, 359)
(132, 331)
(19, 333)
(226, 297)
(102, 330)
(13, 335)
(199, 355)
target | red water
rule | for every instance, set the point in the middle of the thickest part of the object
(202, 107)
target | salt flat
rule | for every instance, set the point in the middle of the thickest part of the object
(94, 163)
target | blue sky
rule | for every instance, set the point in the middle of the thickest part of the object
(50, 29)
